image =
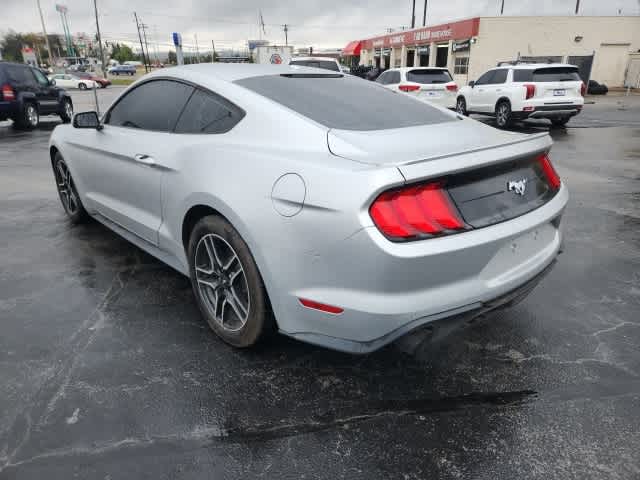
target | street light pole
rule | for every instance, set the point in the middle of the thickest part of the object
(286, 34)
(424, 15)
(577, 6)
(141, 46)
(104, 69)
(413, 14)
(46, 38)
(502, 8)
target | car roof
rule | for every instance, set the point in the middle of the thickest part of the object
(230, 72)
(323, 59)
(529, 66)
(404, 69)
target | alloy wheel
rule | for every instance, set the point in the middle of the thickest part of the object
(32, 115)
(68, 109)
(222, 282)
(502, 114)
(66, 188)
(461, 108)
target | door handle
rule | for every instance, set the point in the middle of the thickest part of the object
(144, 159)
(498, 89)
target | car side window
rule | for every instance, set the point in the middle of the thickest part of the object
(208, 113)
(20, 75)
(394, 77)
(383, 78)
(41, 79)
(499, 76)
(485, 79)
(154, 105)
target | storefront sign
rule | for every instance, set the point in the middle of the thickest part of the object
(423, 50)
(462, 45)
(425, 35)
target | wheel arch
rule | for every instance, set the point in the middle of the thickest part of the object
(502, 99)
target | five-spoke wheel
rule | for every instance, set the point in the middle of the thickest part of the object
(67, 191)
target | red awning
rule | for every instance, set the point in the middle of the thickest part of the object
(352, 49)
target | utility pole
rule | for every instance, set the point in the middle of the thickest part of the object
(577, 6)
(213, 52)
(144, 34)
(141, 47)
(424, 15)
(104, 68)
(195, 36)
(46, 38)
(413, 14)
(502, 8)
(286, 36)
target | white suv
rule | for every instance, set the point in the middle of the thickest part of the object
(515, 92)
(430, 84)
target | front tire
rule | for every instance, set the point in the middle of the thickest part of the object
(504, 116)
(82, 86)
(227, 284)
(461, 106)
(67, 191)
(67, 111)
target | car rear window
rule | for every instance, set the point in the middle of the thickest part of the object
(428, 76)
(344, 102)
(549, 74)
(324, 64)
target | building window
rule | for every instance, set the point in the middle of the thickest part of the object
(462, 66)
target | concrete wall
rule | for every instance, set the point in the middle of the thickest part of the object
(612, 39)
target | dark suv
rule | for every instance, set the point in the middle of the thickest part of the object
(26, 93)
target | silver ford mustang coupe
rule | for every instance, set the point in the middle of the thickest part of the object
(315, 203)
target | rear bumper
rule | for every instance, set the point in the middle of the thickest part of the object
(8, 109)
(551, 111)
(388, 290)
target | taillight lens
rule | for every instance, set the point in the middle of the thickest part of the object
(452, 87)
(409, 88)
(7, 93)
(552, 176)
(416, 212)
(531, 91)
(583, 89)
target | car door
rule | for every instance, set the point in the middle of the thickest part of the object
(121, 166)
(46, 93)
(478, 97)
(494, 89)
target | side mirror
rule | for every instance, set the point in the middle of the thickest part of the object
(472, 83)
(52, 82)
(87, 120)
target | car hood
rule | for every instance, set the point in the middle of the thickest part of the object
(403, 146)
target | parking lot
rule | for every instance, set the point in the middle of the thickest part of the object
(108, 371)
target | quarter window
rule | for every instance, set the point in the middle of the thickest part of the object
(154, 105)
(485, 79)
(462, 66)
(208, 113)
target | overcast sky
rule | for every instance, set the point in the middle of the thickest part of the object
(321, 23)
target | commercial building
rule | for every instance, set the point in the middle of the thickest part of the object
(606, 49)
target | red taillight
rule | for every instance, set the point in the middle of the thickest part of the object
(7, 93)
(452, 87)
(321, 306)
(531, 91)
(583, 89)
(409, 88)
(415, 211)
(552, 176)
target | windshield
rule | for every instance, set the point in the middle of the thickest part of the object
(344, 102)
(428, 77)
(324, 64)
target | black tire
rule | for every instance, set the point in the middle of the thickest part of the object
(259, 322)
(560, 122)
(28, 118)
(66, 111)
(461, 106)
(504, 118)
(82, 86)
(67, 192)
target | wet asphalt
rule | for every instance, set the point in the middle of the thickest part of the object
(107, 370)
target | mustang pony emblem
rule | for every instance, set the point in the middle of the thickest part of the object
(517, 187)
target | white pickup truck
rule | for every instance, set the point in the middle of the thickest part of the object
(516, 92)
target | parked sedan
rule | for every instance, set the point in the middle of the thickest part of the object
(66, 80)
(293, 205)
(433, 85)
(102, 82)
